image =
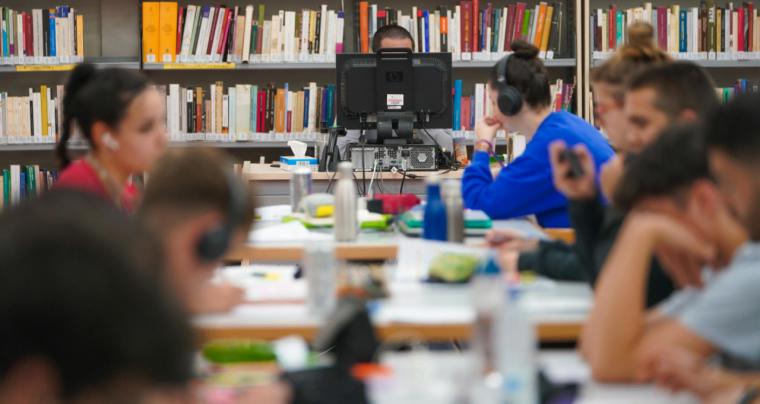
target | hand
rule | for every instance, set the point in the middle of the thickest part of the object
(578, 188)
(486, 128)
(510, 240)
(221, 298)
(684, 269)
(610, 176)
(679, 369)
(672, 235)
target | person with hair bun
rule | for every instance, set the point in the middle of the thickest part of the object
(521, 102)
(122, 118)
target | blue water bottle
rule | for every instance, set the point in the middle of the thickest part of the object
(434, 226)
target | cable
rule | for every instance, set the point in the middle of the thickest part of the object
(332, 180)
(448, 162)
(364, 164)
(372, 179)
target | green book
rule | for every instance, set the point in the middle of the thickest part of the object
(254, 35)
(6, 187)
(526, 25)
(262, 9)
(31, 182)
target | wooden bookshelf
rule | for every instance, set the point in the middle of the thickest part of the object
(113, 38)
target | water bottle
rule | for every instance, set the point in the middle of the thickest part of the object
(452, 198)
(321, 278)
(517, 352)
(345, 215)
(488, 300)
(300, 186)
(434, 225)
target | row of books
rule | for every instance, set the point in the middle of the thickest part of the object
(219, 113)
(32, 118)
(25, 182)
(705, 32)
(240, 34)
(41, 36)
(740, 87)
(469, 109)
(470, 29)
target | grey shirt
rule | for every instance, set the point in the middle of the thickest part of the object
(726, 311)
(443, 136)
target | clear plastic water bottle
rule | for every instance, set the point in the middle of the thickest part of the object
(452, 198)
(434, 224)
(488, 300)
(517, 352)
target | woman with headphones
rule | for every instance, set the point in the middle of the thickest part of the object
(123, 120)
(520, 95)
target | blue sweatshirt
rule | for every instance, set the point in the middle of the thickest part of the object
(525, 187)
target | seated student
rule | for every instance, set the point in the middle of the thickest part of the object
(394, 36)
(654, 98)
(674, 203)
(555, 259)
(85, 316)
(122, 118)
(733, 143)
(200, 210)
(520, 97)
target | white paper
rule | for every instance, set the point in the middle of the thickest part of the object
(415, 255)
(290, 232)
(274, 213)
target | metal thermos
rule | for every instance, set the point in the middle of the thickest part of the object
(452, 198)
(300, 186)
(345, 214)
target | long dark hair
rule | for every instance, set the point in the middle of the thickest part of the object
(92, 95)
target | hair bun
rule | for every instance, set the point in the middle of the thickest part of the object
(82, 74)
(524, 50)
(640, 35)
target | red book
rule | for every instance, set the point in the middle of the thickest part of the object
(612, 23)
(225, 31)
(214, 17)
(475, 19)
(510, 27)
(466, 24)
(662, 28)
(28, 34)
(741, 42)
(261, 111)
(180, 19)
(466, 113)
(519, 21)
(750, 26)
(489, 23)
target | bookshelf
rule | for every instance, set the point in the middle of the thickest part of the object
(725, 64)
(113, 38)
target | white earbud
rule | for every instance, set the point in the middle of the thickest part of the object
(109, 142)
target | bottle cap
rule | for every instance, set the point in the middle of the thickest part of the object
(488, 266)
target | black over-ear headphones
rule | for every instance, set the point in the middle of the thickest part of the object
(510, 100)
(213, 244)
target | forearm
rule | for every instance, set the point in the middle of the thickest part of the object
(618, 318)
(554, 260)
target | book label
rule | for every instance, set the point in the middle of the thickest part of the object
(44, 68)
(550, 55)
(199, 66)
(466, 56)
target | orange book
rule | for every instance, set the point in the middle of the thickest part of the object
(151, 21)
(167, 41)
(540, 24)
(547, 29)
(80, 35)
(279, 111)
(364, 26)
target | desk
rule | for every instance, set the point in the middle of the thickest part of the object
(415, 311)
(371, 246)
(441, 377)
(273, 184)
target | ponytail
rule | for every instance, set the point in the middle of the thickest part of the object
(93, 95)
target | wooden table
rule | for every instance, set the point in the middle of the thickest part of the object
(371, 246)
(415, 311)
(273, 184)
